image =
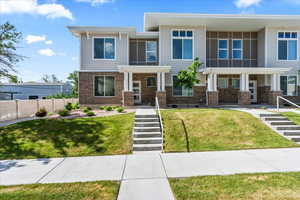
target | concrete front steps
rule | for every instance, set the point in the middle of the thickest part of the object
(147, 136)
(282, 125)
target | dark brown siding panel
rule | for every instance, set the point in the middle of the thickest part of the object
(237, 63)
(253, 49)
(214, 49)
(246, 49)
(246, 35)
(237, 35)
(141, 51)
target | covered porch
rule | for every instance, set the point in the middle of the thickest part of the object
(143, 83)
(243, 85)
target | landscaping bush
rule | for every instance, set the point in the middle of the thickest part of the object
(69, 106)
(120, 109)
(86, 109)
(64, 112)
(75, 106)
(115, 107)
(108, 108)
(102, 107)
(90, 113)
(42, 112)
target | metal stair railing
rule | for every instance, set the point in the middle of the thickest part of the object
(160, 120)
(284, 99)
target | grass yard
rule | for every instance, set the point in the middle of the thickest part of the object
(104, 190)
(217, 129)
(270, 186)
(294, 117)
(67, 137)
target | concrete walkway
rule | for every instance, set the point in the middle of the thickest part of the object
(144, 176)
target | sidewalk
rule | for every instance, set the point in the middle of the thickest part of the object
(144, 176)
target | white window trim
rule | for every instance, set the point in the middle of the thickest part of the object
(297, 78)
(227, 83)
(241, 49)
(181, 87)
(286, 39)
(93, 43)
(155, 51)
(172, 37)
(227, 49)
(232, 82)
(94, 77)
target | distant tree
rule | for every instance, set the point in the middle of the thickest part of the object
(14, 79)
(50, 78)
(188, 78)
(9, 37)
(73, 78)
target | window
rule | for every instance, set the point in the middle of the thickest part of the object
(223, 49)
(104, 86)
(180, 90)
(237, 49)
(222, 83)
(288, 85)
(235, 83)
(104, 48)
(287, 45)
(33, 97)
(151, 82)
(182, 44)
(151, 47)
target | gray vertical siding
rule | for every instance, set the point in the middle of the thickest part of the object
(261, 48)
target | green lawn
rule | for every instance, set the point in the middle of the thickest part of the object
(293, 117)
(270, 186)
(67, 137)
(104, 190)
(217, 129)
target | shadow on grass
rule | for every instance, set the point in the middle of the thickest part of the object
(36, 138)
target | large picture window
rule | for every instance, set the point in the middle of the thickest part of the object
(182, 41)
(151, 55)
(223, 49)
(104, 48)
(287, 45)
(104, 86)
(180, 90)
(237, 49)
(288, 85)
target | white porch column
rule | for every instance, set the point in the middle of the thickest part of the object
(130, 81)
(215, 84)
(126, 81)
(275, 82)
(158, 81)
(210, 82)
(244, 82)
(163, 83)
(247, 82)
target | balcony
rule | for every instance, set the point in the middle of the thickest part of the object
(143, 52)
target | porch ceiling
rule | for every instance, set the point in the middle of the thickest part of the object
(143, 68)
(244, 70)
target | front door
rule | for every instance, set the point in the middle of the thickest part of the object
(253, 91)
(137, 92)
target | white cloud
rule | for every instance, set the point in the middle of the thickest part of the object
(49, 42)
(50, 10)
(95, 2)
(35, 38)
(46, 52)
(247, 3)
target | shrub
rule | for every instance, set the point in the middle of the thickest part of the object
(102, 107)
(120, 109)
(86, 109)
(115, 107)
(90, 113)
(42, 112)
(75, 106)
(108, 108)
(64, 112)
(69, 106)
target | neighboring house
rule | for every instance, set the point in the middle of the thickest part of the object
(247, 59)
(10, 91)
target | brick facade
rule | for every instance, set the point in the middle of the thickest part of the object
(86, 88)
(212, 98)
(244, 98)
(273, 97)
(128, 99)
(162, 98)
(199, 96)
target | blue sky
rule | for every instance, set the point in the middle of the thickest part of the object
(51, 49)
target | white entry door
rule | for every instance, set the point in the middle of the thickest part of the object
(253, 91)
(137, 92)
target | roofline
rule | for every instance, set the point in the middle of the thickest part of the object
(77, 30)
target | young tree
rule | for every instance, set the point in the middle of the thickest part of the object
(14, 79)
(188, 78)
(73, 78)
(50, 78)
(9, 37)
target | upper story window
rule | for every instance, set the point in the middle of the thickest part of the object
(237, 49)
(223, 49)
(104, 48)
(151, 54)
(182, 41)
(287, 45)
